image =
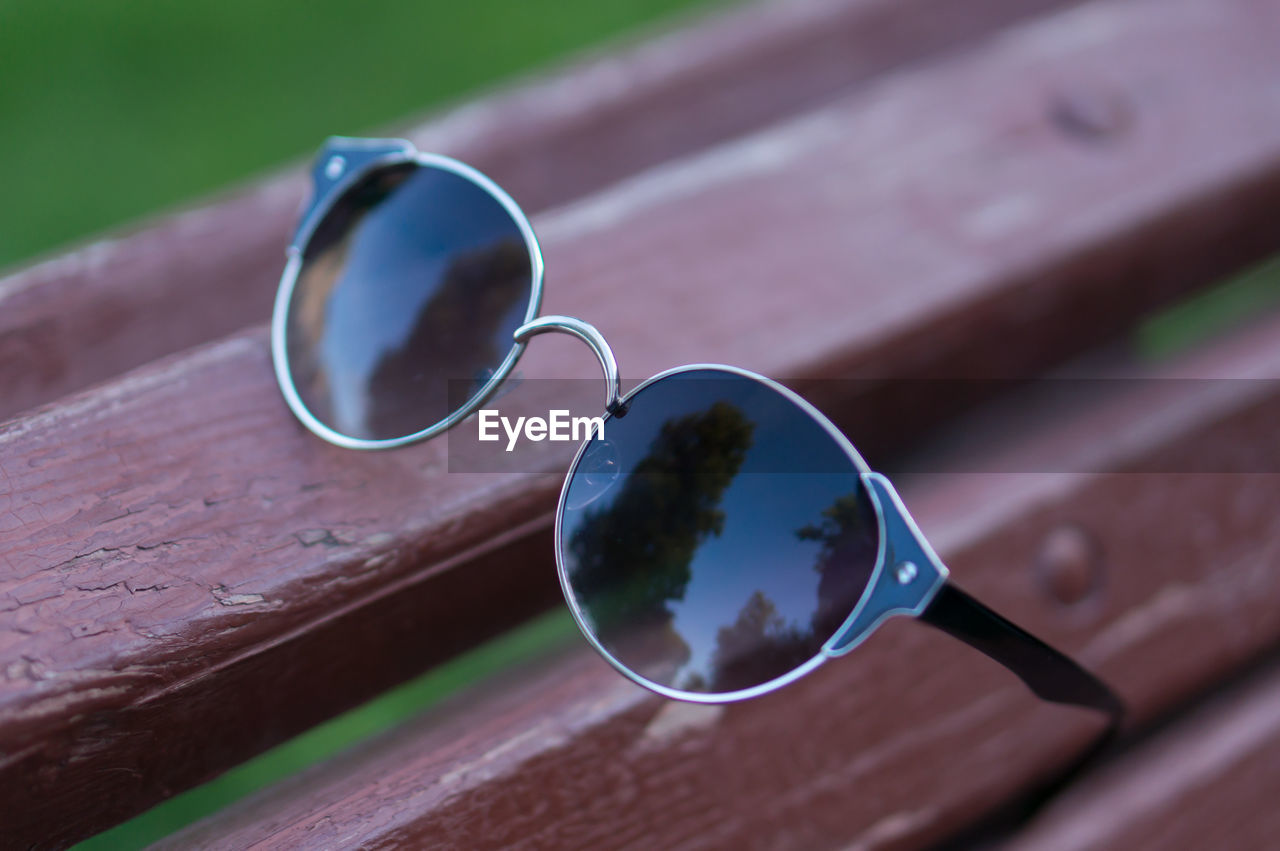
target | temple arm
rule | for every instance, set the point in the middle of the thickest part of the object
(1050, 674)
(913, 581)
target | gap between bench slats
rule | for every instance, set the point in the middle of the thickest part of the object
(1208, 781)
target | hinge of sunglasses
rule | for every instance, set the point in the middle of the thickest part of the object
(907, 577)
(587, 333)
(340, 160)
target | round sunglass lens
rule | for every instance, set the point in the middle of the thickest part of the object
(404, 306)
(734, 537)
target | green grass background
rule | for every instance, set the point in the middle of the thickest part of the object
(113, 110)
(110, 111)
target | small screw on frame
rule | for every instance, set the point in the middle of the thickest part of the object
(334, 167)
(906, 572)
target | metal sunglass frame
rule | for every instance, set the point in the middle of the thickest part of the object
(908, 578)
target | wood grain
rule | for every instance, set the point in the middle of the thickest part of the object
(208, 271)
(177, 553)
(903, 742)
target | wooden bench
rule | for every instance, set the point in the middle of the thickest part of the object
(900, 195)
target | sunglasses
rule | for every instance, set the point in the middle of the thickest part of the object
(716, 539)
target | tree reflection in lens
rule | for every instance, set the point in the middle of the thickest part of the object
(760, 640)
(847, 558)
(737, 539)
(632, 558)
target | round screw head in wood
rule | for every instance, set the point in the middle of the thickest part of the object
(1070, 564)
(1091, 115)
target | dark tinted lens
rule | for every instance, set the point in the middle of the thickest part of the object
(731, 542)
(415, 277)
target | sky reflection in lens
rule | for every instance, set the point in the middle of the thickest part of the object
(732, 544)
(415, 277)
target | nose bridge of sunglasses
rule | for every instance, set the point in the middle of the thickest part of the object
(907, 577)
(587, 333)
(339, 161)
